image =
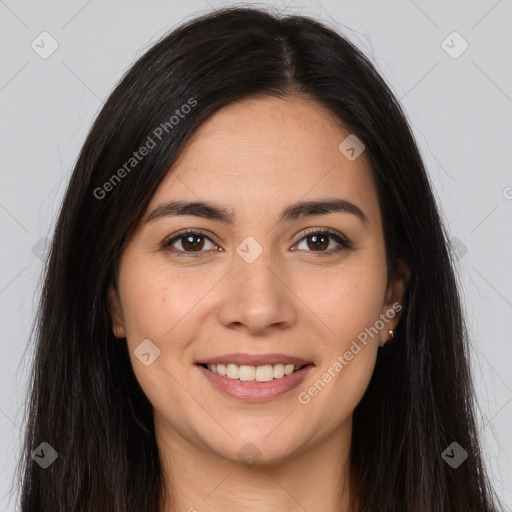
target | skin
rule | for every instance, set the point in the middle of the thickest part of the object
(271, 152)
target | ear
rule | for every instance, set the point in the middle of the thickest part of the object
(393, 304)
(114, 308)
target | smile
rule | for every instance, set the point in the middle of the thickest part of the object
(247, 373)
(254, 383)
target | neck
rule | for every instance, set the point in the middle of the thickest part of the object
(199, 480)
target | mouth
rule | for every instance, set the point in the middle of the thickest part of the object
(247, 373)
(255, 378)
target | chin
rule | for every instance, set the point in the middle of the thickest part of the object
(256, 451)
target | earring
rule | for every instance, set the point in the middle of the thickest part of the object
(390, 331)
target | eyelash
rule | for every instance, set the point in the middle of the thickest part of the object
(344, 242)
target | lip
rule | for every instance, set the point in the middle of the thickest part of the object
(254, 359)
(252, 391)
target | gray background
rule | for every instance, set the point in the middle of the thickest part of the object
(460, 109)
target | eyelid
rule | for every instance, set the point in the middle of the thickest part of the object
(315, 230)
(343, 242)
(169, 240)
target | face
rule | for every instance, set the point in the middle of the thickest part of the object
(258, 288)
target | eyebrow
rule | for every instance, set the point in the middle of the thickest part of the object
(212, 211)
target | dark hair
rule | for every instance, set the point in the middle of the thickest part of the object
(85, 401)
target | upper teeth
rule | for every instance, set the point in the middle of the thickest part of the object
(258, 373)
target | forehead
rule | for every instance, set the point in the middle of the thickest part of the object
(266, 151)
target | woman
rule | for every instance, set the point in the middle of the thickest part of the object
(249, 301)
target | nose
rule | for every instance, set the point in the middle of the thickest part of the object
(256, 296)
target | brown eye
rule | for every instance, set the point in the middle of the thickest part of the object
(192, 242)
(188, 242)
(320, 241)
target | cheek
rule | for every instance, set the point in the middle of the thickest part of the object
(162, 308)
(157, 308)
(357, 312)
(154, 303)
(350, 310)
(344, 303)
(355, 320)
(146, 308)
(330, 399)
